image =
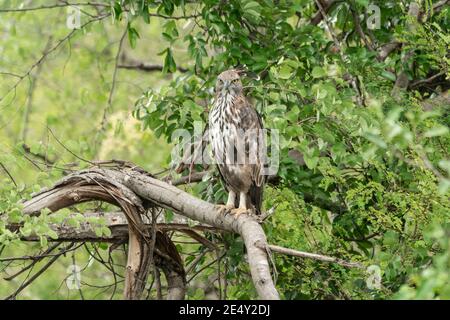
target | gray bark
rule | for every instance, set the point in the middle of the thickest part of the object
(91, 185)
(126, 187)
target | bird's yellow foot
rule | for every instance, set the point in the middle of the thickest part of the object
(237, 212)
(224, 209)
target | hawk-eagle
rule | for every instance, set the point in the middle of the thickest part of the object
(237, 142)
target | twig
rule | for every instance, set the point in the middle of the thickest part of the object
(41, 156)
(142, 66)
(67, 149)
(35, 259)
(152, 248)
(114, 78)
(428, 80)
(353, 80)
(358, 27)
(79, 288)
(9, 174)
(205, 267)
(56, 5)
(31, 90)
(327, 7)
(196, 261)
(314, 256)
(44, 56)
(91, 4)
(34, 277)
(192, 178)
(158, 284)
(200, 239)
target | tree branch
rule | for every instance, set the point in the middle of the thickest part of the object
(57, 5)
(49, 51)
(126, 186)
(327, 5)
(147, 67)
(402, 81)
(78, 188)
(126, 183)
(314, 256)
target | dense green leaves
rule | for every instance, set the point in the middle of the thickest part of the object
(379, 159)
(364, 175)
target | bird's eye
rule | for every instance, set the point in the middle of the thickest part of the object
(235, 80)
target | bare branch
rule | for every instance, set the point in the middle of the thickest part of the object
(125, 184)
(314, 256)
(428, 80)
(57, 5)
(49, 51)
(108, 107)
(34, 79)
(147, 67)
(129, 183)
(35, 276)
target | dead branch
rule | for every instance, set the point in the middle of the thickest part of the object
(117, 223)
(76, 189)
(147, 67)
(126, 187)
(314, 256)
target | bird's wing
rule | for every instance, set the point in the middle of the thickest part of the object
(254, 143)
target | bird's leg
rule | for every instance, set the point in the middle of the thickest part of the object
(231, 200)
(242, 205)
(230, 203)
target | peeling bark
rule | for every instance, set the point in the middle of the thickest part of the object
(128, 187)
(80, 187)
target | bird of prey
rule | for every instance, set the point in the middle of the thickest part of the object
(237, 143)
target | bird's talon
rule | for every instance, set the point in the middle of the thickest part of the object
(224, 209)
(237, 212)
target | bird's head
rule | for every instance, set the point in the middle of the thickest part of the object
(229, 82)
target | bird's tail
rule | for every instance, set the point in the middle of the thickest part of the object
(255, 195)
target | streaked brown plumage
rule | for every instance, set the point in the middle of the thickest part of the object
(235, 133)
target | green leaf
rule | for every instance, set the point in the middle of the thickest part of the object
(169, 63)
(133, 35)
(311, 158)
(52, 234)
(168, 214)
(388, 75)
(285, 72)
(318, 72)
(98, 231)
(436, 132)
(43, 241)
(106, 231)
